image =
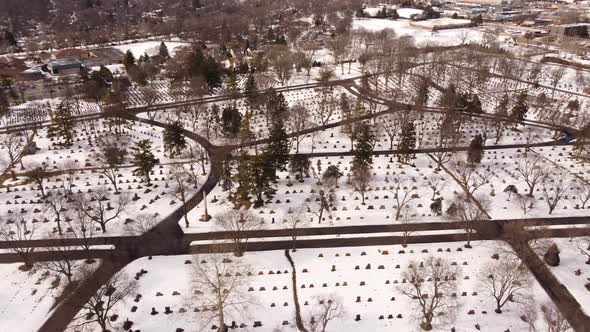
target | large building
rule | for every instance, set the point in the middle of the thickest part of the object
(64, 67)
(570, 30)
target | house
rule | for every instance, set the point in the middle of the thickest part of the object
(72, 53)
(64, 67)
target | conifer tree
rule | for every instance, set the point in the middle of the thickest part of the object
(164, 55)
(62, 123)
(278, 146)
(475, 152)
(363, 152)
(144, 160)
(251, 92)
(519, 110)
(262, 175)
(174, 141)
(407, 141)
(128, 60)
(243, 181)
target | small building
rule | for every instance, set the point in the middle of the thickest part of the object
(570, 30)
(72, 53)
(64, 67)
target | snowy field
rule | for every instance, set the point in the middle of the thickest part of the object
(28, 297)
(150, 47)
(366, 281)
(422, 37)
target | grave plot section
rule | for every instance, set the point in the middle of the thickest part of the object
(171, 294)
(94, 187)
(30, 295)
(572, 268)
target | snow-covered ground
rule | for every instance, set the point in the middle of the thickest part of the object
(28, 297)
(366, 281)
(422, 37)
(150, 47)
(573, 271)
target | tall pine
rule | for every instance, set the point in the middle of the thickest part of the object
(62, 124)
(144, 160)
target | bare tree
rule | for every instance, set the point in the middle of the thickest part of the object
(239, 224)
(56, 202)
(403, 192)
(61, 262)
(583, 193)
(83, 229)
(530, 315)
(465, 209)
(470, 177)
(181, 181)
(583, 244)
(327, 309)
(297, 122)
(143, 223)
(102, 209)
(437, 184)
(14, 232)
(39, 174)
(429, 285)
(526, 203)
(218, 281)
(555, 76)
(295, 220)
(12, 144)
(407, 216)
(532, 170)
(111, 156)
(391, 126)
(553, 192)
(554, 319)
(99, 307)
(150, 97)
(506, 280)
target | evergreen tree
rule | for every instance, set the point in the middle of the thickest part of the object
(62, 123)
(243, 181)
(246, 135)
(230, 120)
(128, 60)
(164, 55)
(115, 112)
(213, 73)
(407, 141)
(4, 104)
(475, 151)
(276, 106)
(519, 110)
(144, 160)
(278, 146)
(251, 92)
(174, 141)
(363, 152)
(262, 174)
(299, 165)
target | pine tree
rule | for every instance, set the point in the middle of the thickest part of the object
(262, 174)
(278, 146)
(243, 181)
(174, 141)
(246, 135)
(4, 104)
(230, 120)
(62, 124)
(251, 92)
(299, 165)
(164, 55)
(363, 152)
(276, 106)
(144, 160)
(475, 151)
(519, 110)
(128, 60)
(407, 141)
(213, 73)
